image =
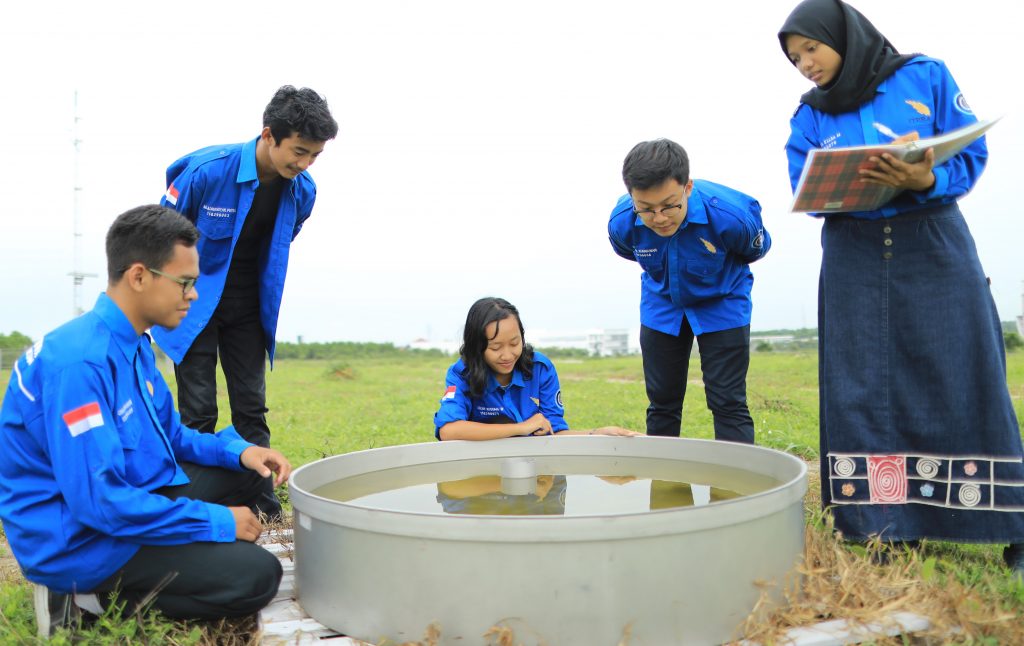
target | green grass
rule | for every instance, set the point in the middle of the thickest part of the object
(320, 408)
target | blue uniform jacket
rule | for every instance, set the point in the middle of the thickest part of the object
(701, 271)
(213, 187)
(80, 456)
(921, 96)
(521, 400)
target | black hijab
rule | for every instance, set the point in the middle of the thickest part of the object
(868, 56)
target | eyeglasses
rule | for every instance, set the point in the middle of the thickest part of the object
(667, 211)
(187, 284)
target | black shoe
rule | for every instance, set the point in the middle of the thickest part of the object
(1013, 554)
(54, 611)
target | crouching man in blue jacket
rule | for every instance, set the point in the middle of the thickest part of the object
(694, 241)
(104, 494)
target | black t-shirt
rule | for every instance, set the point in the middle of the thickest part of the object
(243, 279)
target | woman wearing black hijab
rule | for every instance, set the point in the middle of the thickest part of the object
(919, 438)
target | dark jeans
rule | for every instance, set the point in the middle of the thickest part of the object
(236, 333)
(200, 580)
(724, 358)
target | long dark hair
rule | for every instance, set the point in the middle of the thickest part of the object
(474, 341)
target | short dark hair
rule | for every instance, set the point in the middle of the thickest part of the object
(146, 234)
(474, 341)
(303, 112)
(652, 163)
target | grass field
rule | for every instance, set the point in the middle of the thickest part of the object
(320, 408)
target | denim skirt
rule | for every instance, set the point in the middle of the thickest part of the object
(919, 438)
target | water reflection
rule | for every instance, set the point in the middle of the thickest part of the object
(490, 495)
(547, 495)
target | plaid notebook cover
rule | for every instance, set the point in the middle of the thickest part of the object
(831, 183)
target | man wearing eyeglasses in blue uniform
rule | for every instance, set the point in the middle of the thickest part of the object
(694, 241)
(248, 201)
(102, 488)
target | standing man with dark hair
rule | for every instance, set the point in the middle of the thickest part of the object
(102, 489)
(248, 201)
(694, 241)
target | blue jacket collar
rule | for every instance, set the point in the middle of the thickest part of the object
(247, 163)
(695, 211)
(120, 327)
(247, 166)
(517, 380)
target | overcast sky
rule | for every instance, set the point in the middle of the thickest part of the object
(480, 147)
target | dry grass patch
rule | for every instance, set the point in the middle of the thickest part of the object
(868, 584)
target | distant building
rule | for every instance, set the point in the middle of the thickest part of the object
(1020, 318)
(446, 346)
(598, 342)
(608, 343)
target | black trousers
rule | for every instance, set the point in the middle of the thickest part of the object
(236, 334)
(724, 358)
(200, 580)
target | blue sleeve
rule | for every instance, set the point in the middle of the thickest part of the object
(189, 184)
(745, 235)
(455, 402)
(802, 139)
(304, 209)
(616, 237)
(90, 470)
(551, 397)
(957, 176)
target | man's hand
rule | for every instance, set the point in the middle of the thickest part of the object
(264, 461)
(247, 526)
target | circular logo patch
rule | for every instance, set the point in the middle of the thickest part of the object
(961, 104)
(558, 399)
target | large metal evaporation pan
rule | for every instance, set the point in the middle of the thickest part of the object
(668, 576)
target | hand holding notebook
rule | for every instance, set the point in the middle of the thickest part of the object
(831, 181)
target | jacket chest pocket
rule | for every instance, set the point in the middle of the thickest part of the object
(215, 234)
(653, 262)
(705, 270)
(215, 225)
(143, 457)
(135, 459)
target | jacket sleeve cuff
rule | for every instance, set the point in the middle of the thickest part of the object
(941, 185)
(222, 524)
(232, 456)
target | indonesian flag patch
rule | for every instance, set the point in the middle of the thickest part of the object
(449, 393)
(83, 418)
(171, 195)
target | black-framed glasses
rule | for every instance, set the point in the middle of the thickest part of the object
(187, 284)
(667, 211)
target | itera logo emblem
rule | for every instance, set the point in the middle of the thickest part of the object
(961, 104)
(919, 107)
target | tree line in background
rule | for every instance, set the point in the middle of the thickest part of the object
(354, 350)
(14, 344)
(11, 347)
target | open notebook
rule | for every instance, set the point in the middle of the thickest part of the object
(831, 183)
